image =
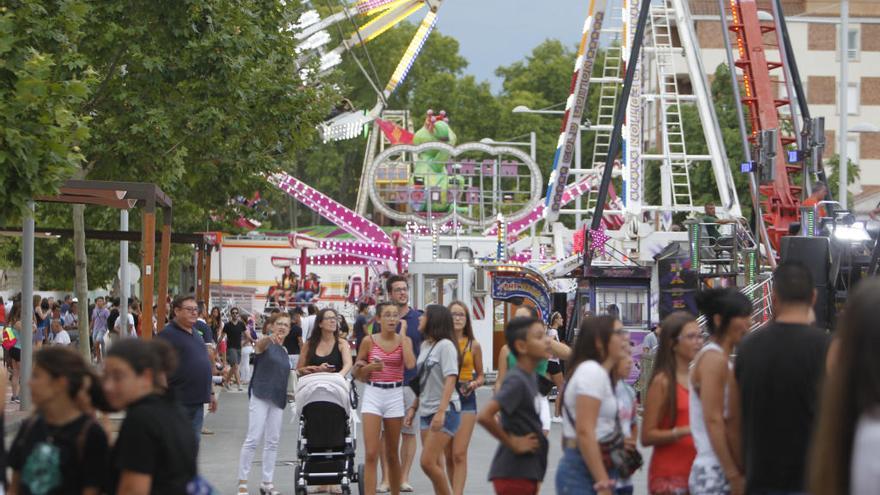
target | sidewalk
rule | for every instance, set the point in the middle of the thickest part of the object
(13, 416)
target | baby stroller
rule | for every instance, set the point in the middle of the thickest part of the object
(327, 434)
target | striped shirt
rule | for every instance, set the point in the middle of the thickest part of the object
(393, 361)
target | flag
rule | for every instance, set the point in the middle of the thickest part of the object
(395, 133)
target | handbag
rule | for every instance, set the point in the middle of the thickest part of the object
(615, 455)
(416, 383)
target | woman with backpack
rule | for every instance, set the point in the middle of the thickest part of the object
(155, 451)
(437, 399)
(60, 449)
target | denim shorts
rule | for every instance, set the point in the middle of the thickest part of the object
(573, 476)
(450, 426)
(468, 402)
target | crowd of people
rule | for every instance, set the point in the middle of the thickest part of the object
(785, 408)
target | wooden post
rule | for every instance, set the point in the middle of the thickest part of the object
(149, 254)
(164, 259)
(206, 273)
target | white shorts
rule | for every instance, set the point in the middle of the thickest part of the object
(383, 402)
(544, 412)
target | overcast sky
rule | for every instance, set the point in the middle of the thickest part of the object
(492, 33)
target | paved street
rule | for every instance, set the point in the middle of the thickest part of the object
(219, 453)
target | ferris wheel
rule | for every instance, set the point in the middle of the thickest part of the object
(380, 15)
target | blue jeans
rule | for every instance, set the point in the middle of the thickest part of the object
(196, 414)
(450, 423)
(573, 476)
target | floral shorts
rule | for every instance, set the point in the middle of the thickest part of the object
(708, 479)
(668, 485)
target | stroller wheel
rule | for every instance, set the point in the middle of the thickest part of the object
(297, 489)
(360, 479)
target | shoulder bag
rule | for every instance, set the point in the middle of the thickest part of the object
(615, 455)
(416, 383)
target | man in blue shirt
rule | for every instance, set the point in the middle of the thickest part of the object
(398, 291)
(190, 383)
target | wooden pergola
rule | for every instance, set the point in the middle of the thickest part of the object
(124, 196)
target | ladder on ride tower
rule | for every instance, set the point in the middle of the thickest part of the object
(672, 128)
(609, 89)
(376, 143)
(764, 99)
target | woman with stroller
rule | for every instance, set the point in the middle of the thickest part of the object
(437, 399)
(325, 350)
(268, 398)
(380, 364)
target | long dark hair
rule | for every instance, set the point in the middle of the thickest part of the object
(63, 362)
(852, 389)
(315, 336)
(438, 326)
(727, 303)
(215, 320)
(664, 363)
(585, 349)
(468, 330)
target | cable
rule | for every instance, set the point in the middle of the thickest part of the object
(357, 31)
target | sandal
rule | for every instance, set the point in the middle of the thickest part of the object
(406, 488)
(383, 488)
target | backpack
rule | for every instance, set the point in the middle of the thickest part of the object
(9, 338)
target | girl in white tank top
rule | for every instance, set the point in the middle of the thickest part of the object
(715, 470)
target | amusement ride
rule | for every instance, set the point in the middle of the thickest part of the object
(478, 222)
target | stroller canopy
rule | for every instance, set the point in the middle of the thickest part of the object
(323, 387)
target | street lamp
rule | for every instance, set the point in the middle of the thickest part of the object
(543, 111)
(863, 128)
(531, 143)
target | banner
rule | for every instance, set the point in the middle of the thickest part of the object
(678, 282)
(395, 133)
(507, 288)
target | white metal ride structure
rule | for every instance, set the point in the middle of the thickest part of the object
(311, 30)
(654, 112)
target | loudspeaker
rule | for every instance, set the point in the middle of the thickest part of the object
(815, 253)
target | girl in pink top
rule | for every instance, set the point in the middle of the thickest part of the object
(380, 363)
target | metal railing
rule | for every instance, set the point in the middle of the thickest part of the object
(762, 309)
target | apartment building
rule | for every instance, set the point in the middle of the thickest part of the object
(813, 27)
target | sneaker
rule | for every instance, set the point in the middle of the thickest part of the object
(556, 419)
(406, 487)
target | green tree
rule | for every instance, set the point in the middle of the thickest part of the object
(853, 174)
(202, 98)
(43, 84)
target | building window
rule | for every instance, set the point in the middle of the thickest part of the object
(852, 149)
(853, 99)
(854, 44)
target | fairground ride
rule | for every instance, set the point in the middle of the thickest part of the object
(380, 15)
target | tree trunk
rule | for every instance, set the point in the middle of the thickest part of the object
(81, 284)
